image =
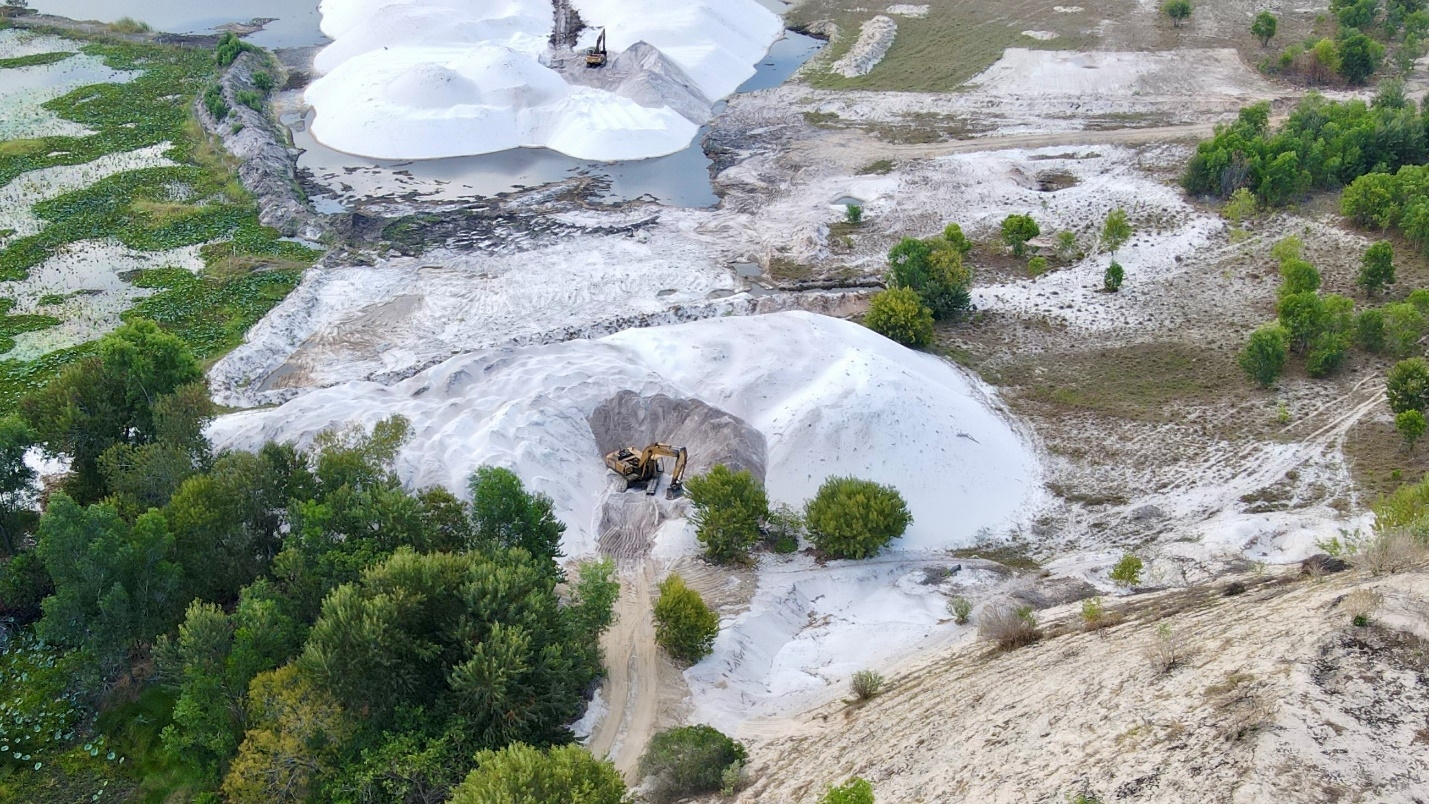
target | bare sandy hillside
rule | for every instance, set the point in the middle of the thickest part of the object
(1274, 696)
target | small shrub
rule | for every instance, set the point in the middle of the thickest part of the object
(1066, 246)
(1263, 27)
(853, 213)
(263, 81)
(732, 779)
(1240, 207)
(1410, 425)
(1093, 613)
(684, 626)
(1287, 248)
(782, 528)
(1361, 604)
(1377, 268)
(229, 48)
(961, 608)
(1127, 571)
(1264, 355)
(1017, 230)
(1112, 279)
(1165, 651)
(1037, 266)
(688, 761)
(852, 518)
(1007, 627)
(250, 98)
(900, 315)
(1298, 276)
(522, 774)
(1390, 551)
(1116, 231)
(953, 233)
(214, 102)
(728, 508)
(866, 684)
(1369, 330)
(854, 791)
(1177, 10)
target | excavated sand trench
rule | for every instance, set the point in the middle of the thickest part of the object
(627, 529)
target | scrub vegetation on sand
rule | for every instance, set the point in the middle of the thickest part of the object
(196, 202)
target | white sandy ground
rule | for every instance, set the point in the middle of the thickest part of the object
(830, 397)
(1276, 699)
(25, 90)
(435, 78)
(90, 275)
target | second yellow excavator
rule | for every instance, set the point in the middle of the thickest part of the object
(643, 466)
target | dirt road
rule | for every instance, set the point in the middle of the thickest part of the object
(632, 684)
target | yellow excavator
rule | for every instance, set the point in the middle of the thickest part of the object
(595, 57)
(639, 466)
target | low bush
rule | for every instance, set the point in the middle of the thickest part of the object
(263, 81)
(961, 608)
(1361, 604)
(687, 761)
(854, 791)
(782, 528)
(1093, 614)
(1127, 571)
(728, 509)
(866, 684)
(1017, 230)
(684, 626)
(900, 315)
(1008, 627)
(1392, 550)
(1165, 651)
(1112, 279)
(1264, 355)
(852, 518)
(520, 774)
(1037, 266)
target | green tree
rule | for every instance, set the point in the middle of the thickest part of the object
(1377, 268)
(1298, 276)
(1263, 27)
(17, 479)
(1037, 266)
(1113, 277)
(1116, 231)
(1066, 245)
(900, 315)
(1359, 57)
(852, 518)
(295, 737)
(115, 585)
(1264, 355)
(1177, 10)
(684, 626)
(1303, 316)
(1127, 571)
(1407, 385)
(854, 791)
(595, 592)
(1017, 230)
(1403, 325)
(109, 399)
(689, 760)
(728, 509)
(211, 664)
(478, 641)
(1369, 330)
(506, 515)
(520, 774)
(1410, 425)
(937, 275)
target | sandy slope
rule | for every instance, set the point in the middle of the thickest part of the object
(1276, 700)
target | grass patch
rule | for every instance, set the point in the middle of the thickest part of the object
(34, 60)
(211, 311)
(783, 269)
(878, 167)
(12, 325)
(129, 25)
(1136, 382)
(1008, 555)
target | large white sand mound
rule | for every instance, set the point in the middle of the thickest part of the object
(830, 397)
(434, 78)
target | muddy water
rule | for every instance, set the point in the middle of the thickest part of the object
(680, 179)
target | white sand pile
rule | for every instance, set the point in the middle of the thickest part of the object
(830, 398)
(436, 78)
(907, 10)
(874, 39)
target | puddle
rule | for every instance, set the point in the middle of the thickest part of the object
(849, 201)
(25, 90)
(680, 179)
(747, 269)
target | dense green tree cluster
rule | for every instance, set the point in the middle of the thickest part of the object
(1323, 144)
(323, 633)
(1385, 201)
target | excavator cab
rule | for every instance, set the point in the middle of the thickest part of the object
(595, 57)
(641, 467)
